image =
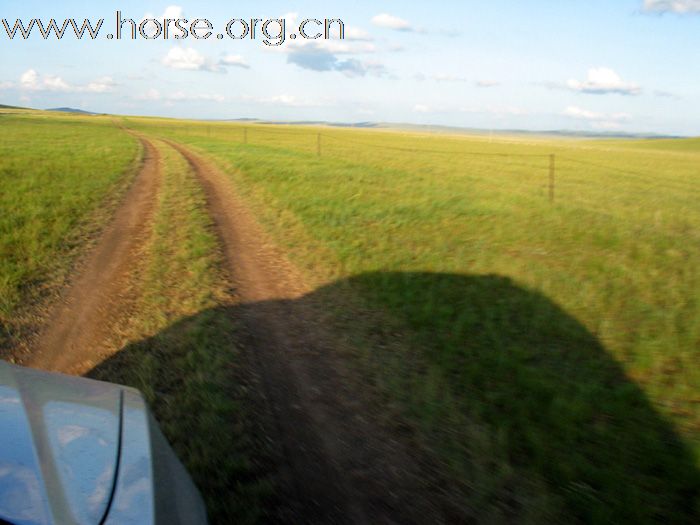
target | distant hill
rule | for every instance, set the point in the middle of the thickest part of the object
(72, 110)
(4, 106)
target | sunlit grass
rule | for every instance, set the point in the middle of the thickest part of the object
(56, 174)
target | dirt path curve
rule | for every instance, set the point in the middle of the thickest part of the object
(339, 466)
(79, 325)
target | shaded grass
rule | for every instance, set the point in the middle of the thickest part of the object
(529, 410)
(617, 251)
(57, 175)
(189, 370)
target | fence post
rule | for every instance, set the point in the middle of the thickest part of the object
(551, 177)
(318, 145)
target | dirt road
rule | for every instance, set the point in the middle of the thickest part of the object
(78, 326)
(335, 462)
(339, 465)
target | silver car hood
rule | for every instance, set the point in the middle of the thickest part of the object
(74, 450)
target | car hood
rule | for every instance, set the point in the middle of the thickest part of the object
(74, 450)
(60, 437)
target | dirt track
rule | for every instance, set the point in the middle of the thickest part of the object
(78, 327)
(340, 467)
(335, 464)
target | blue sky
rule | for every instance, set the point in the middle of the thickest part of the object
(622, 65)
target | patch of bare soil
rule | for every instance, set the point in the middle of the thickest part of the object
(338, 463)
(79, 324)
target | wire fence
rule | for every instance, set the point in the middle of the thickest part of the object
(555, 170)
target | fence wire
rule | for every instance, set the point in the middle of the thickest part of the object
(555, 177)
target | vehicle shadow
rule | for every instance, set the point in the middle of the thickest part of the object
(553, 411)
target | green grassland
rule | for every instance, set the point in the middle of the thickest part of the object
(57, 176)
(547, 352)
(559, 341)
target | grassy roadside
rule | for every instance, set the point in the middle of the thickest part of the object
(60, 179)
(557, 344)
(178, 348)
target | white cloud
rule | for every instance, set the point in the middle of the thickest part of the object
(391, 22)
(189, 59)
(321, 56)
(234, 60)
(101, 85)
(420, 108)
(603, 80)
(672, 6)
(337, 47)
(29, 79)
(172, 12)
(584, 114)
(287, 100)
(597, 119)
(360, 68)
(328, 55)
(291, 19)
(284, 100)
(344, 48)
(54, 83)
(33, 81)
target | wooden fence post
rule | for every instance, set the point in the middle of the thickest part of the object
(551, 178)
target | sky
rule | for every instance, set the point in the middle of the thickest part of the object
(586, 65)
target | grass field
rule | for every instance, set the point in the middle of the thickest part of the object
(548, 352)
(561, 338)
(57, 174)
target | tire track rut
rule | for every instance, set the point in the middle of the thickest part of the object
(339, 466)
(78, 327)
